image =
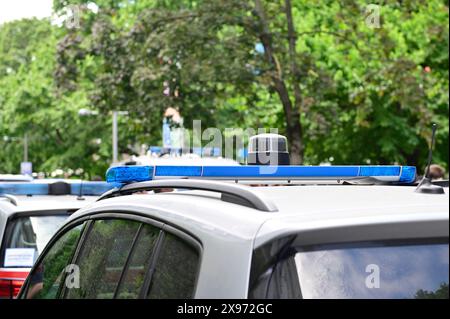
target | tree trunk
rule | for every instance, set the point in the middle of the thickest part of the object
(298, 140)
(292, 114)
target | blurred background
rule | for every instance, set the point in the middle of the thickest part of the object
(348, 82)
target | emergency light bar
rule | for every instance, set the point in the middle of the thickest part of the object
(74, 188)
(129, 174)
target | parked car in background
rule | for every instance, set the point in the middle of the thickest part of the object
(30, 214)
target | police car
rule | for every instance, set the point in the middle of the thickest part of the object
(15, 178)
(253, 231)
(30, 214)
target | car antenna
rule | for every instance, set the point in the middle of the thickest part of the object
(426, 186)
(80, 195)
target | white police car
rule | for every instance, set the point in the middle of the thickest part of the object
(15, 178)
(291, 232)
(30, 214)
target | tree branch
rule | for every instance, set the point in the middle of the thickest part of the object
(292, 115)
(296, 112)
(336, 34)
(292, 55)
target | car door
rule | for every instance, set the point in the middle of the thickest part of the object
(117, 255)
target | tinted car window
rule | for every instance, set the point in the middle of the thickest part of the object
(139, 262)
(103, 257)
(47, 276)
(366, 270)
(176, 270)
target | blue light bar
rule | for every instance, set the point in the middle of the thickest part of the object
(24, 188)
(129, 174)
(90, 188)
(387, 173)
(178, 171)
(42, 188)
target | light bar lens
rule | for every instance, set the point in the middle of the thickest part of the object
(256, 171)
(371, 171)
(408, 174)
(42, 188)
(178, 171)
(90, 188)
(128, 174)
(24, 189)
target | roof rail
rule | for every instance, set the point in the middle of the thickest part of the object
(10, 198)
(233, 193)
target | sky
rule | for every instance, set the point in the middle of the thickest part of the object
(18, 9)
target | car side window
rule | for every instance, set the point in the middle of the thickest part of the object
(139, 262)
(103, 257)
(45, 281)
(176, 270)
(118, 258)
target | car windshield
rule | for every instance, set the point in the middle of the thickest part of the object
(26, 237)
(373, 271)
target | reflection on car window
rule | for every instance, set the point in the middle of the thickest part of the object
(31, 233)
(103, 258)
(133, 280)
(176, 270)
(383, 271)
(46, 277)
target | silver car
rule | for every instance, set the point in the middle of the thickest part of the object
(197, 238)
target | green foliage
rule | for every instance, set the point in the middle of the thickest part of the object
(380, 97)
(58, 137)
(368, 95)
(440, 293)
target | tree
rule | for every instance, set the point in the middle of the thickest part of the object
(224, 36)
(58, 137)
(291, 110)
(339, 82)
(381, 98)
(342, 91)
(440, 293)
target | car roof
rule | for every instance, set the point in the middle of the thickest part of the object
(298, 206)
(336, 199)
(43, 203)
(15, 178)
(386, 209)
